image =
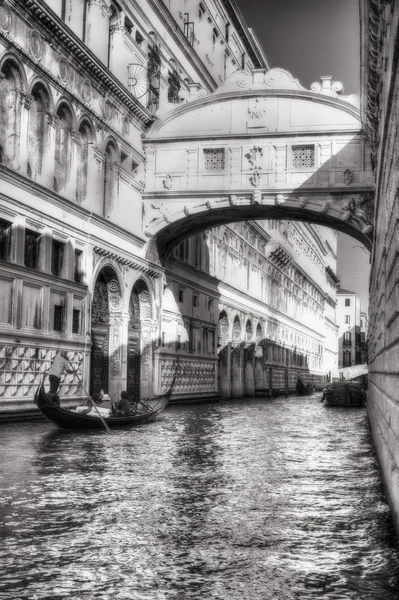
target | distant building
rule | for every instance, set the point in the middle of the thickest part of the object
(364, 326)
(348, 320)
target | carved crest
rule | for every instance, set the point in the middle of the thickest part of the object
(257, 109)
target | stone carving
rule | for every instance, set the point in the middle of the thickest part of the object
(100, 307)
(167, 182)
(192, 376)
(86, 91)
(325, 207)
(36, 44)
(144, 296)
(113, 286)
(351, 210)
(255, 158)
(347, 177)
(163, 213)
(302, 201)
(255, 179)
(256, 197)
(236, 330)
(280, 199)
(5, 17)
(22, 368)
(134, 310)
(115, 302)
(257, 109)
(186, 211)
(233, 200)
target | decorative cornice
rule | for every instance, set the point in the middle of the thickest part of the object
(127, 262)
(75, 47)
(100, 121)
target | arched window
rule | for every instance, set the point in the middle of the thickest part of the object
(83, 160)
(63, 148)
(110, 161)
(37, 131)
(10, 85)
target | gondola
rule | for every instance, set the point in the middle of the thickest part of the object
(344, 393)
(67, 418)
(302, 389)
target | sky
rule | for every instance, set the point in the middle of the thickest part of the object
(312, 38)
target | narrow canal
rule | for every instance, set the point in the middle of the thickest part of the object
(257, 500)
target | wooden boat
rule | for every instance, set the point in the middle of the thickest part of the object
(67, 418)
(344, 393)
(302, 389)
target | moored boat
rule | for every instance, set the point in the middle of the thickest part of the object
(67, 418)
(344, 393)
(302, 389)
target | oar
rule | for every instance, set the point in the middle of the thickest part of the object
(93, 403)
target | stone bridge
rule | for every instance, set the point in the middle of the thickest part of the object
(261, 146)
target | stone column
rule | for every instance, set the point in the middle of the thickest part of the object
(259, 373)
(225, 371)
(70, 190)
(249, 382)
(116, 324)
(25, 103)
(97, 31)
(95, 180)
(47, 175)
(237, 383)
(118, 54)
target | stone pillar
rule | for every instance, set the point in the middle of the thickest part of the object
(25, 103)
(259, 373)
(249, 382)
(47, 175)
(271, 382)
(97, 31)
(116, 325)
(225, 372)
(70, 190)
(281, 155)
(237, 382)
(95, 180)
(118, 54)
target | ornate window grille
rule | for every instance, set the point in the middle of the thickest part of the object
(214, 159)
(303, 157)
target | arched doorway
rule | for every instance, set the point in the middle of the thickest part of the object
(139, 345)
(106, 323)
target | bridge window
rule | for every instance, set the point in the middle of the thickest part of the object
(214, 159)
(303, 156)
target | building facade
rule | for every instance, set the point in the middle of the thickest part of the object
(348, 321)
(80, 83)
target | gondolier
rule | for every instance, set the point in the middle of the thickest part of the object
(60, 366)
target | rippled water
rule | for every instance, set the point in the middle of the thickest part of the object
(268, 500)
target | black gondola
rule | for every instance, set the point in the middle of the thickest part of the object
(67, 418)
(302, 389)
(344, 393)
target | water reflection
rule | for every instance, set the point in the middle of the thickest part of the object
(259, 500)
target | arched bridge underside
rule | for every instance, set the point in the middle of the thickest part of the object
(260, 147)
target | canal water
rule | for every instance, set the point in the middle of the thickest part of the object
(259, 500)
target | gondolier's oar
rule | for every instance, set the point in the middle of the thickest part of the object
(93, 403)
